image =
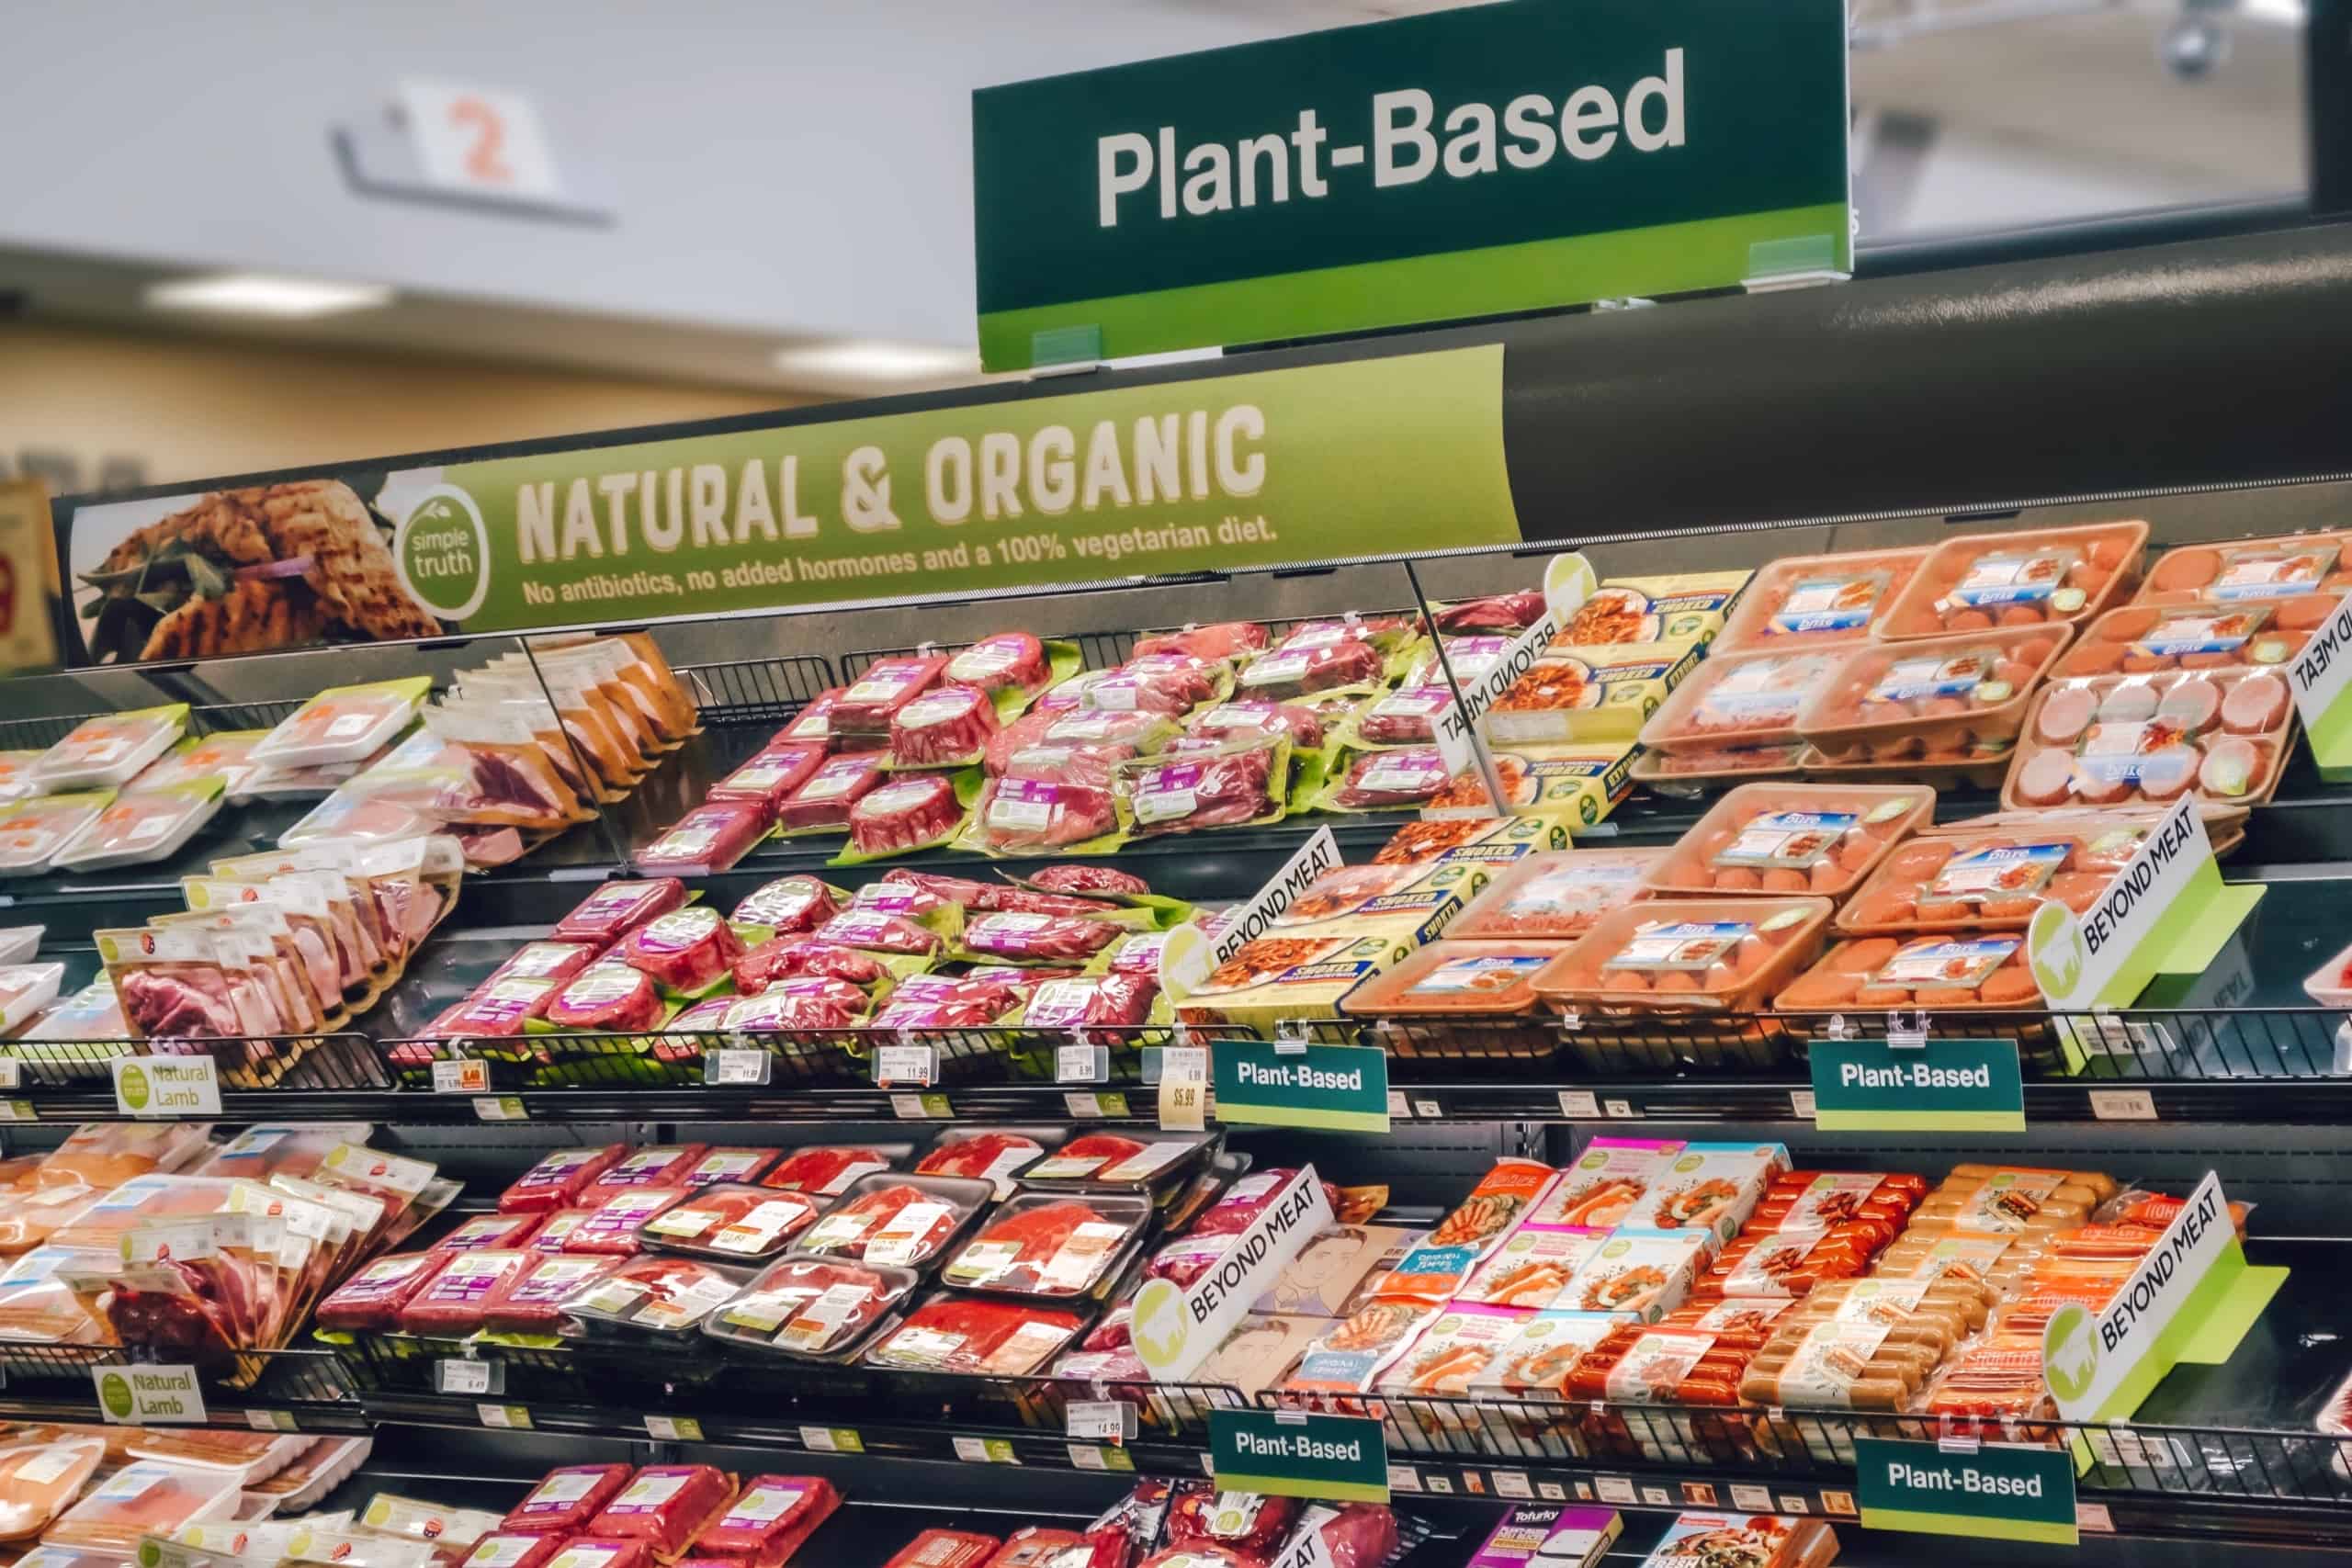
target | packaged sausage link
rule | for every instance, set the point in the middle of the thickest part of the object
(1608, 1182)
(1805, 601)
(1556, 895)
(2023, 577)
(2221, 735)
(1722, 953)
(1532, 1269)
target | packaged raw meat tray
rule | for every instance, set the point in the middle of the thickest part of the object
(2252, 571)
(1727, 953)
(827, 1169)
(139, 828)
(1791, 838)
(1932, 698)
(372, 1299)
(1028, 817)
(110, 748)
(769, 778)
(664, 1506)
(1009, 662)
(32, 832)
(558, 1178)
(656, 1294)
(1243, 782)
(619, 906)
(1114, 1162)
(1809, 601)
(684, 950)
(972, 1334)
(993, 1155)
(1455, 980)
(769, 1519)
(611, 998)
(811, 1306)
(711, 838)
(899, 1221)
(909, 812)
(1554, 895)
(731, 1222)
(1964, 881)
(141, 1499)
(532, 1302)
(566, 1498)
(822, 802)
(450, 1305)
(2024, 576)
(2141, 640)
(887, 685)
(2221, 735)
(1040, 1244)
(947, 727)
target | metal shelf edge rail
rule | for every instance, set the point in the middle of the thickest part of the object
(311, 1387)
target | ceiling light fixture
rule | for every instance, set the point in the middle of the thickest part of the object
(872, 360)
(263, 294)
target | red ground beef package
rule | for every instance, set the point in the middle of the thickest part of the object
(372, 1297)
(768, 1520)
(566, 1499)
(451, 1301)
(605, 1551)
(610, 1230)
(868, 703)
(556, 1180)
(683, 950)
(511, 1548)
(871, 932)
(609, 999)
(769, 778)
(1007, 661)
(825, 1170)
(655, 1165)
(529, 1302)
(1087, 879)
(946, 728)
(665, 1505)
(824, 801)
(617, 906)
(486, 1231)
(789, 904)
(944, 1549)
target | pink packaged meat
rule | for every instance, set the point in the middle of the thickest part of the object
(871, 932)
(1087, 879)
(723, 1162)
(1008, 662)
(610, 1230)
(490, 1233)
(615, 908)
(770, 777)
(788, 957)
(770, 1521)
(558, 1180)
(708, 838)
(1410, 777)
(1224, 639)
(684, 950)
(451, 1301)
(910, 812)
(1242, 720)
(664, 1506)
(947, 727)
(1021, 938)
(809, 1001)
(789, 904)
(1091, 1001)
(656, 1165)
(1239, 784)
(1293, 671)
(1172, 684)
(566, 1498)
(497, 1009)
(608, 998)
(824, 801)
(372, 1297)
(545, 961)
(1023, 816)
(531, 1302)
(888, 684)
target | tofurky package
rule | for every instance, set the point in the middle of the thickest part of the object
(1550, 1535)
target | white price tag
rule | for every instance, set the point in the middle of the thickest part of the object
(461, 1376)
(2094, 1517)
(2123, 1105)
(731, 1064)
(1428, 1110)
(1513, 1484)
(674, 1428)
(271, 1421)
(1751, 1499)
(1404, 1478)
(1551, 1492)
(1578, 1105)
(1102, 1421)
(1082, 1064)
(12, 1073)
(1620, 1110)
(1400, 1108)
(1801, 1104)
(1086, 1107)
(1184, 1089)
(511, 1417)
(1615, 1489)
(468, 1077)
(17, 1111)
(831, 1440)
(916, 1065)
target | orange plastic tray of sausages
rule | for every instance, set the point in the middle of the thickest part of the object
(2248, 572)
(1989, 880)
(1956, 973)
(2029, 577)
(1935, 697)
(2148, 740)
(2142, 639)
(1727, 953)
(1817, 600)
(1791, 838)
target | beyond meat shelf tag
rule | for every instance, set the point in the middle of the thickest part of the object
(1175, 1330)
(1187, 956)
(2321, 677)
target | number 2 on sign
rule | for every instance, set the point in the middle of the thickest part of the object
(483, 159)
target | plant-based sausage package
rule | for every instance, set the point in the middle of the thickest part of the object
(2024, 577)
(2221, 735)
(1782, 838)
(1809, 601)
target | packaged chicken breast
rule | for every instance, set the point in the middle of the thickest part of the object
(38, 1479)
(110, 750)
(344, 724)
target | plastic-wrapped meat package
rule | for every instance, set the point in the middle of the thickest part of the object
(1412, 776)
(789, 905)
(545, 960)
(812, 723)
(557, 1229)
(103, 1155)
(1242, 720)
(707, 839)
(490, 1233)
(38, 1479)
(1020, 900)
(32, 832)
(1183, 1261)
(1494, 613)
(664, 1504)
(794, 957)
(617, 907)
(967, 1007)
(824, 801)
(608, 998)
(1023, 816)
(1092, 1001)
(947, 727)
(141, 1499)
(1244, 781)
(871, 932)
(958, 1334)
(1223, 640)
(39, 1303)
(769, 1519)
(515, 1548)
(826, 1170)
(655, 1294)
(896, 1221)
(497, 1009)
(1233, 1212)
(805, 1002)
(610, 1228)
(888, 684)
(603, 1551)
(655, 1165)
(1018, 736)
(558, 1180)
(1170, 684)
(137, 828)
(451, 1301)
(1089, 879)
(684, 950)
(769, 778)
(530, 1301)
(731, 1222)
(944, 1549)
(1008, 662)
(1021, 938)
(1239, 1521)
(1083, 745)
(1039, 1244)
(173, 985)
(807, 1306)
(724, 1162)
(1405, 718)
(110, 748)
(1293, 671)
(910, 812)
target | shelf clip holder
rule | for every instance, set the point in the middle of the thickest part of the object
(1907, 1032)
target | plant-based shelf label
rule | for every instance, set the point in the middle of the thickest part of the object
(1262, 468)
(1293, 1454)
(1343, 1086)
(1949, 1085)
(1466, 163)
(1176, 1329)
(1993, 1491)
(137, 1396)
(2192, 1299)
(2166, 912)
(166, 1086)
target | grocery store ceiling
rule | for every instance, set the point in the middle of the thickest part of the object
(784, 177)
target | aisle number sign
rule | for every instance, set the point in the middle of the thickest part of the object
(1176, 1329)
(1202, 473)
(1993, 1491)
(2192, 1299)
(1469, 162)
